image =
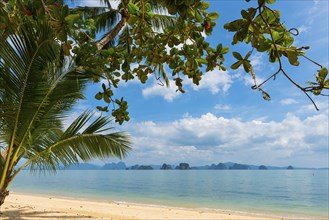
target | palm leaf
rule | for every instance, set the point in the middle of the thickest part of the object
(75, 144)
(37, 91)
(24, 59)
(161, 21)
(89, 12)
(107, 20)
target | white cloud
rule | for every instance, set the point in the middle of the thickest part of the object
(257, 61)
(222, 107)
(214, 81)
(248, 80)
(303, 29)
(211, 139)
(288, 101)
(315, 11)
(168, 93)
(309, 108)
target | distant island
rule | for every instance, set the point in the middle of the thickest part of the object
(182, 166)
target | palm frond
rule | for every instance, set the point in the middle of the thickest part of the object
(25, 57)
(106, 2)
(161, 21)
(106, 21)
(63, 149)
(157, 7)
(89, 12)
(125, 39)
(104, 17)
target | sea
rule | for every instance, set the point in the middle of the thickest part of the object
(295, 194)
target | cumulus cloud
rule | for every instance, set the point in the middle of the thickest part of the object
(211, 139)
(309, 108)
(257, 61)
(214, 81)
(168, 93)
(288, 101)
(222, 107)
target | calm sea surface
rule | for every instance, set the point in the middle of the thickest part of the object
(291, 193)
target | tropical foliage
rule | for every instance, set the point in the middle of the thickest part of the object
(37, 90)
(163, 39)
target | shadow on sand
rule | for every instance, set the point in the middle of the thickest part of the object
(25, 213)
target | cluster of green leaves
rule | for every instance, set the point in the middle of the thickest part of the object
(177, 47)
(261, 28)
(163, 37)
(322, 82)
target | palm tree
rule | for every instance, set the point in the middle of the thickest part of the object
(116, 25)
(37, 91)
(115, 22)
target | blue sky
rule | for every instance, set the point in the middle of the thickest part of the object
(223, 119)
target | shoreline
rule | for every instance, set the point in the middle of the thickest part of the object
(31, 206)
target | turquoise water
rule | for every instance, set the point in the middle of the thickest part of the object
(290, 193)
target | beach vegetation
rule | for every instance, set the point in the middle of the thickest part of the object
(38, 88)
(141, 39)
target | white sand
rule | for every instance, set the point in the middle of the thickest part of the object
(20, 206)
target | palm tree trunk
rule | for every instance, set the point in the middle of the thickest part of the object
(114, 32)
(3, 194)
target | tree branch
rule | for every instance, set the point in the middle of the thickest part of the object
(279, 59)
(114, 32)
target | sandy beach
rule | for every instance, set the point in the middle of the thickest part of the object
(20, 206)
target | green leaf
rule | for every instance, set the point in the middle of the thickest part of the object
(248, 55)
(132, 20)
(219, 48)
(71, 19)
(317, 92)
(244, 14)
(99, 96)
(204, 5)
(237, 56)
(323, 72)
(225, 50)
(201, 60)
(289, 40)
(264, 44)
(132, 8)
(292, 57)
(222, 67)
(270, 1)
(235, 25)
(198, 16)
(107, 99)
(261, 2)
(246, 66)
(213, 15)
(236, 65)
